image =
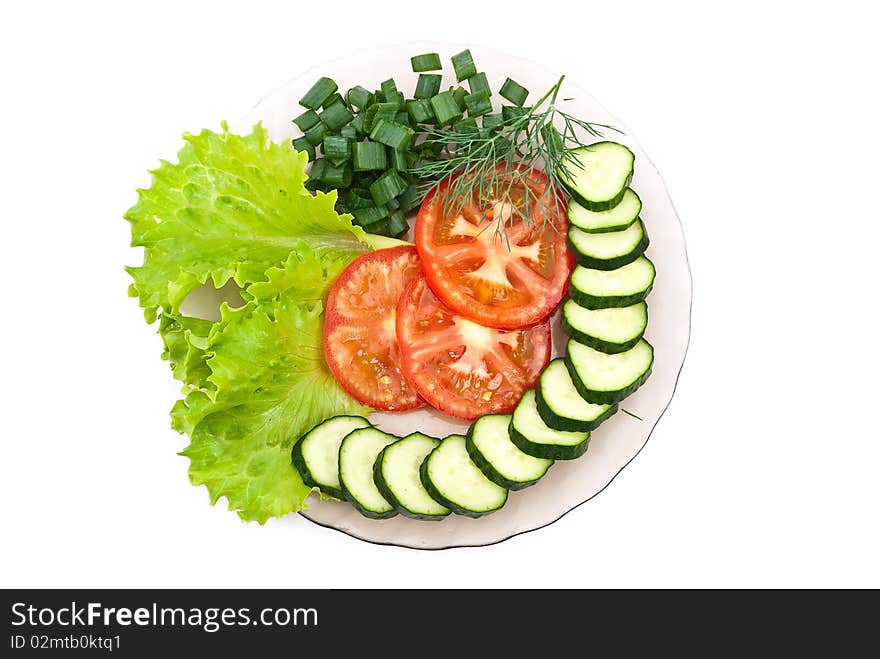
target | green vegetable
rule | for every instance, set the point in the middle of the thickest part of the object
(391, 133)
(428, 85)
(369, 156)
(336, 115)
(478, 83)
(514, 92)
(464, 66)
(306, 120)
(318, 94)
(387, 186)
(445, 108)
(426, 62)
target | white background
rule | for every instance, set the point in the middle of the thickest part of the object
(763, 119)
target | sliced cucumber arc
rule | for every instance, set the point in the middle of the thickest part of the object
(490, 447)
(531, 434)
(621, 287)
(452, 479)
(357, 455)
(613, 219)
(396, 474)
(316, 454)
(597, 175)
(610, 330)
(562, 407)
(602, 378)
(607, 251)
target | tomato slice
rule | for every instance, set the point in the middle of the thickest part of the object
(460, 367)
(360, 337)
(496, 282)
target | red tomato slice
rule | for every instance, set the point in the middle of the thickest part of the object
(485, 278)
(460, 367)
(360, 337)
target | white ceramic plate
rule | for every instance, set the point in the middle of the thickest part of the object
(568, 483)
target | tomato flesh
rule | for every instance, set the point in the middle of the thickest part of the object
(360, 330)
(463, 368)
(503, 283)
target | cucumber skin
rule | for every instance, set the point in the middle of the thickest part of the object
(611, 264)
(299, 463)
(366, 512)
(382, 486)
(598, 344)
(563, 423)
(599, 205)
(594, 302)
(489, 471)
(609, 229)
(439, 498)
(604, 397)
(549, 451)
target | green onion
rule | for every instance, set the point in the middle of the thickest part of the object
(458, 94)
(478, 103)
(468, 125)
(426, 62)
(349, 131)
(393, 205)
(380, 227)
(511, 112)
(464, 65)
(302, 144)
(397, 224)
(445, 108)
(358, 124)
(336, 147)
(428, 85)
(358, 97)
(410, 198)
(336, 115)
(398, 159)
(403, 118)
(315, 134)
(492, 122)
(338, 176)
(369, 156)
(358, 198)
(379, 111)
(392, 134)
(320, 92)
(419, 110)
(317, 170)
(337, 97)
(390, 93)
(387, 186)
(369, 214)
(514, 92)
(478, 82)
(306, 120)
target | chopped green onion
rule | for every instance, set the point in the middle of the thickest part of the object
(478, 103)
(336, 115)
(419, 110)
(391, 133)
(333, 99)
(398, 159)
(426, 62)
(464, 65)
(336, 147)
(445, 108)
(369, 214)
(458, 94)
(397, 224)
(369, 156)
(387, 186)
(468, 125)
(478, 82)
(358, 97)
(380, 227)
(492, 122)
(514, 92)
(338, 176)
(358, 198)
(306, 120)
(320, 92)
(393, 204)
(358, 123)
(511, 112)
(379, 111)
(410, 198)
(317, 170)
(315, 134)
(349, 131)
(302, 144)
(428, 85)
(389, 92)
(403, 118)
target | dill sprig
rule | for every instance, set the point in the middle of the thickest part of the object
(537, 137)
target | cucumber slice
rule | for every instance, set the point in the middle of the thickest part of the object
(609, 330)
(357, 455)
(562, 407)
(622, 287)
(489, 445)
(608, 379)
(613, 219)
(607, 251)
(532, 435)
(396, 474)
(452, 478)
(597, 175)
(316, 454)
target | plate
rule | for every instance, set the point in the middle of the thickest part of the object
(568, 484)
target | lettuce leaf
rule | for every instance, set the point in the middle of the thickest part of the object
(231, 207)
